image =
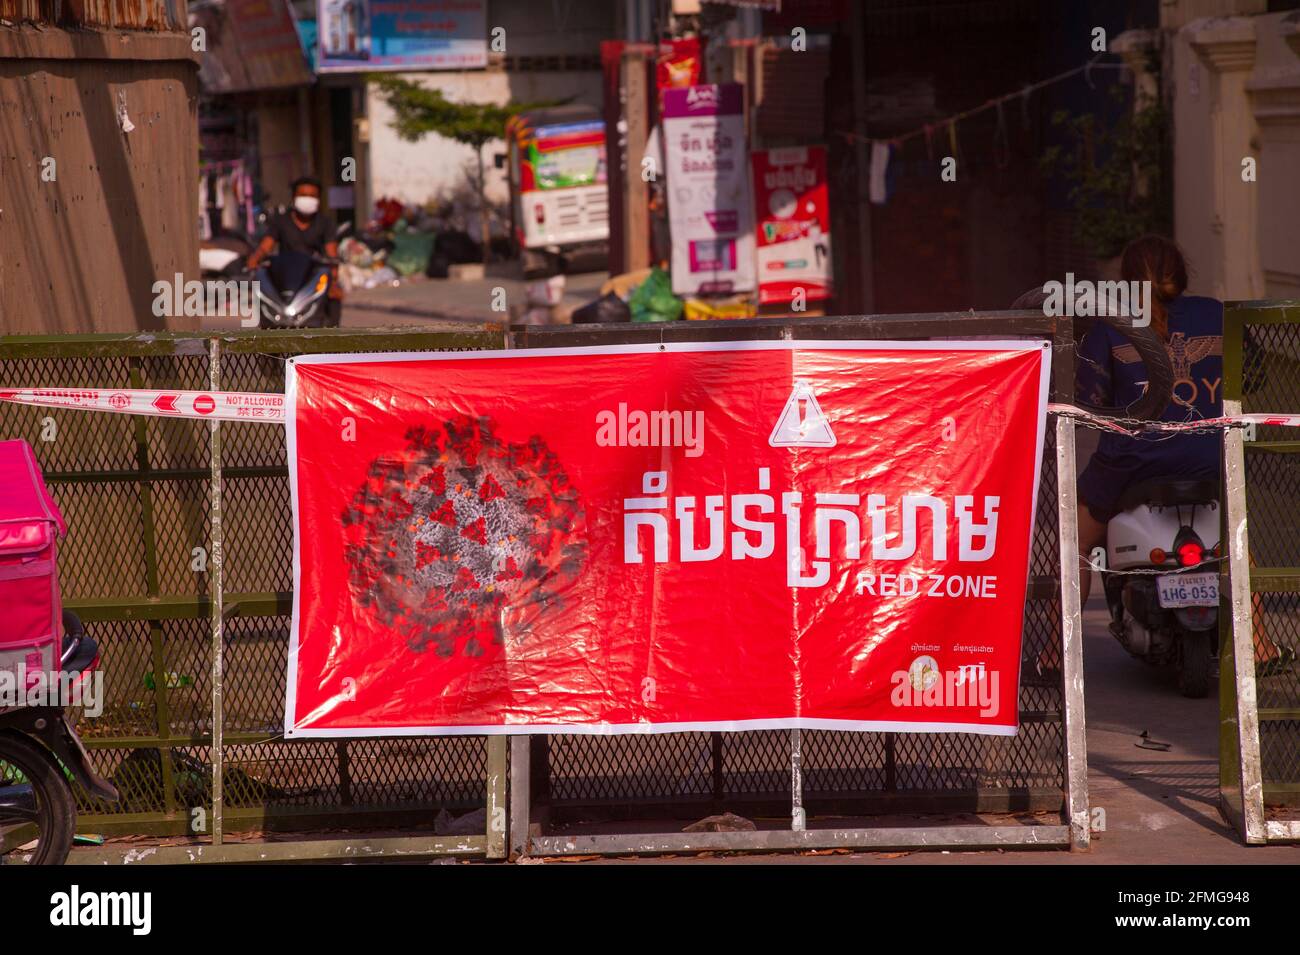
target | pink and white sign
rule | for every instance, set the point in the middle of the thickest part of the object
(710, 205)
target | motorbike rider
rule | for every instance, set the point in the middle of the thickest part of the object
(306, 229)
(1110, 373)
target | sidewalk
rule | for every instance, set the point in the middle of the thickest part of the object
(1157, 807)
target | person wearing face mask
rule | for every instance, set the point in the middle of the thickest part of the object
(305, 229)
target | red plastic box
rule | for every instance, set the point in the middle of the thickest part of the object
(30, 528)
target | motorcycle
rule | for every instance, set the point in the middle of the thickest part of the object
(39, 749)
(1162, 581)
(293, 290)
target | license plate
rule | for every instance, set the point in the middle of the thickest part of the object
(1188, 590)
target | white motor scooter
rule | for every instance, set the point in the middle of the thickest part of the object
(1162, 577)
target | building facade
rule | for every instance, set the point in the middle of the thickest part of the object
(1234, 80)
(98, 160)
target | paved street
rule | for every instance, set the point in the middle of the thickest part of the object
(421, 301)
(444, 303)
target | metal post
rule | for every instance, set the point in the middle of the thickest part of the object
(1246, 807)
(520, 795)
(153, 588)
(716, 757)
(862, 265)
(797, 821)
(215, 587)
(1076, 743)
(498, 768)
(636, 197)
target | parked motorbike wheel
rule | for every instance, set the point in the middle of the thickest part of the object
(1195, 664)
(36, 804)
(1160, 372)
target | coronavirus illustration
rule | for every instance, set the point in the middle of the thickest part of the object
(460, 537)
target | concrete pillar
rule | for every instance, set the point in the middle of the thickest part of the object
(1274, 89)
(1224, 51)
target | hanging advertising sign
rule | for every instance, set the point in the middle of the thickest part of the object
(365, 35)
(660, 538)
(794, 224)
(678, 64)
(253, 45)
(710, 205)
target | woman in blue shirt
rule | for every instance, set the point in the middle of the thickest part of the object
(1111, 374)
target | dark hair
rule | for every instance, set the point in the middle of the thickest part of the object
(305, 181)
(1157, 260)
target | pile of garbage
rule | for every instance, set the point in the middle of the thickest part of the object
(365, 262)
(401, 240)
(647, 296)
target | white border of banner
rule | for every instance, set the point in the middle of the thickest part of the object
(614, 729)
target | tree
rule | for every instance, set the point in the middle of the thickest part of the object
(418, 110)
(1117, 171)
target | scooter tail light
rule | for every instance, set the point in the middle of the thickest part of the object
(1158, 556)
(1190, 553)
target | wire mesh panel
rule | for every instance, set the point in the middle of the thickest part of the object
(135, 565)
(687, 774)
(1262, 370)
(135, 492)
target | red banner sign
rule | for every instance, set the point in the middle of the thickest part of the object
(657, 538)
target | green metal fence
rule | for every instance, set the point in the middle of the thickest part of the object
(580, 784)
(1262, 374)
(138, 565)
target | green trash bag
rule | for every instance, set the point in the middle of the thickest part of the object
(653, 300)
(411, 251)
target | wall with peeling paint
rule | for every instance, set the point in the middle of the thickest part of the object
(81, 253)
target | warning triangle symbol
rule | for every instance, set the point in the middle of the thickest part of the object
(802, 424)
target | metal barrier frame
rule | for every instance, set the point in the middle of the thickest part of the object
(509, 829)
(1242, 790)
(1073, 832)
(219, 606)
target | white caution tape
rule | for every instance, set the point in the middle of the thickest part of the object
(209, 405)
(269, 408)
(1134, 425)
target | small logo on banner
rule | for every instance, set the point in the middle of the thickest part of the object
(118, 400)
(802, 424)
(204, 404)
(923, 673)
